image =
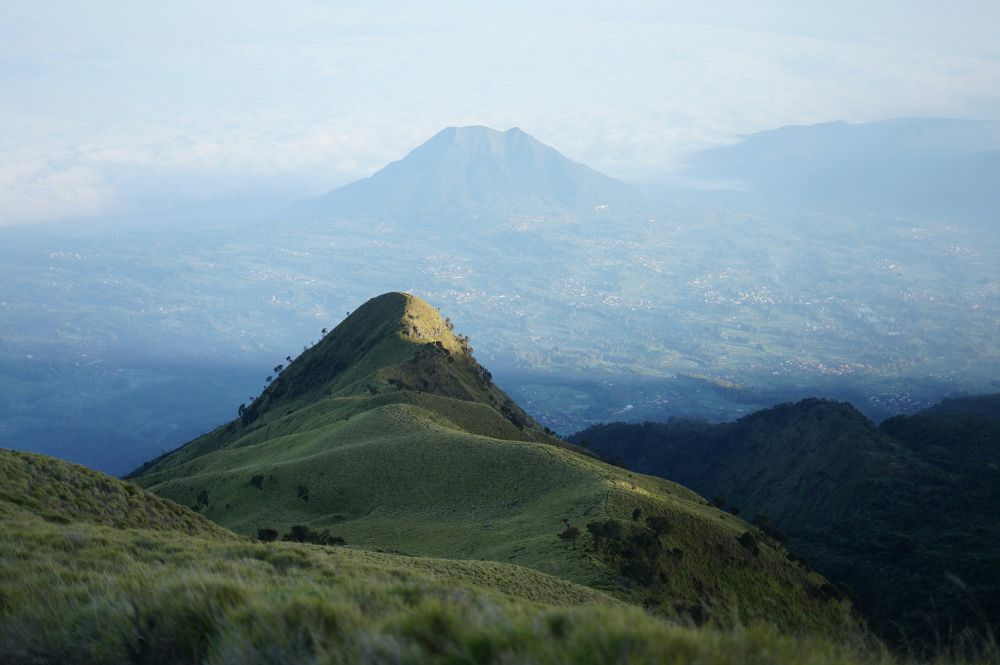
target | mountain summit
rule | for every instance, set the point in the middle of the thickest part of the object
(476, 169)
(390, 435)
(393, 343)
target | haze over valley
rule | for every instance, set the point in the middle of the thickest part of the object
(591, 299)
(565, 333)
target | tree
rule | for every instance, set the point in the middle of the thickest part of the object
(749, 542)
(303, 534)
(570, 534)
(257, 481)
(288, 359)
(323, 332)
(266, 535)
(299, 533)
(604, 532)
(269, 379)
(241, 410)
(203, 497)
(302, 492)
(636, 514)
(278, 369)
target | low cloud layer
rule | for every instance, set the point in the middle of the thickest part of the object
(108, 105)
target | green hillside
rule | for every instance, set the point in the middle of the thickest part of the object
(389, 435)
(105, 572)
(901, 516)
(84, 579)
(64, 493)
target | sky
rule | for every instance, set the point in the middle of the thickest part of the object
(110, 108)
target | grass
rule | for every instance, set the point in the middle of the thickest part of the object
(86, 589)
(184, 599)
(85, 592)
(394, 478)
(394, 341)
(903, 514)
(388, 434)
(64, 493)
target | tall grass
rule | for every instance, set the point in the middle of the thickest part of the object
(86, 593)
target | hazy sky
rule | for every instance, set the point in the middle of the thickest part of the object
(107, 107)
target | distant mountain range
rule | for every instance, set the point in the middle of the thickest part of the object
(903, 515)
(921, 165)
(932, 166)
(464, 170)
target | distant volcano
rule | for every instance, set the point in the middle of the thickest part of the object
(477, 169)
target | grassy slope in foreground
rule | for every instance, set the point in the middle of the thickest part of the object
(83, 583)
(389, 434)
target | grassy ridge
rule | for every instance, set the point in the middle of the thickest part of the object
(394, 341)
(490, 499)
(389, 434)
(180, 599)
(61, 492)
(84, 591)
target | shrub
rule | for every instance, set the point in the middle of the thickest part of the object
(570, 534)
(257, 481)
(749, 542)
(604, 532)
(297, 534)
(300, 533)
(266, 535)
(302, 492)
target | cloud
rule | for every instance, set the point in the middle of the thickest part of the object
(218, 100)
(44, 192)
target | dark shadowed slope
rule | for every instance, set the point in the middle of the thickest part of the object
(468, 169)
(903, 515)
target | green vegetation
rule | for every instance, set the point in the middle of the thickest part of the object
(901, 517)
(300, 533)
(65, 493)
(81, 590)
(439, 462)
